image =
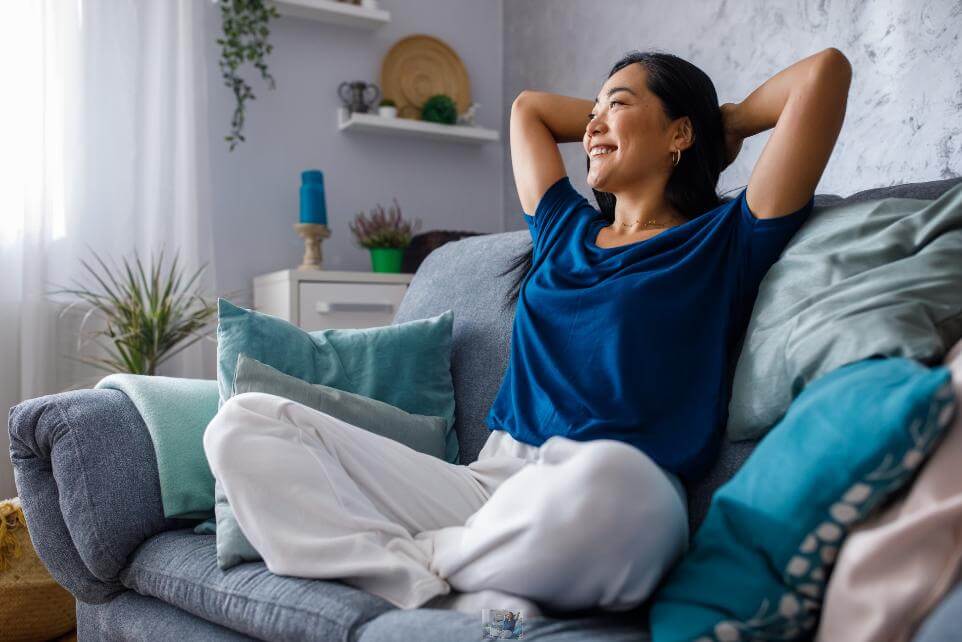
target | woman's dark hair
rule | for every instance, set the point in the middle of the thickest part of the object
(684, 90)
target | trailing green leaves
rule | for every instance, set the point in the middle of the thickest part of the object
(245, 24)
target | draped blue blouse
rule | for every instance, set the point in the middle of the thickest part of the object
(636, 342)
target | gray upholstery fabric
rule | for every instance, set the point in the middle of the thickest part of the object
(88, 481)
(87, 477)
(462, 276)
(944, 623)
(131, 617)
(180, 568)
(436, 625)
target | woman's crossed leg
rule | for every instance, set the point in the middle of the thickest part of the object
(321, 498)
(591, 524)
(575, 525)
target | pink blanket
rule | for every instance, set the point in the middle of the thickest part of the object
(895, 567)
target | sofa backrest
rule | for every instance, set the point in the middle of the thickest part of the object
(464, 276)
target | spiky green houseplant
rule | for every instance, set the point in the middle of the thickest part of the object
(149, 318)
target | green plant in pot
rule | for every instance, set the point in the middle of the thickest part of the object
(440, 108)
(150, 315)
(387, 107)
(385, 234)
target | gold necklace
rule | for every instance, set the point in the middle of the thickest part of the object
(645, 224)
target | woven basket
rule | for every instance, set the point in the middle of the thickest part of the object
(32, 605)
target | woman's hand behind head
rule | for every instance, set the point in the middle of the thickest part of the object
(733, 139)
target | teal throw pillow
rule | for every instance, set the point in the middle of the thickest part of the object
(760, 562)
(407, 365)
(420, 432)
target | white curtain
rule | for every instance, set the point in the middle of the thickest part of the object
(103, 120)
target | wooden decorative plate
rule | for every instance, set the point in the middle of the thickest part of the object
(419, 66)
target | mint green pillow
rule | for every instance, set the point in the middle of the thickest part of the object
(863, 278)
(420, 432)
(760, 562)
(407, 365)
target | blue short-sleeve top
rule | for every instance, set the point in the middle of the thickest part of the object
(636, 342)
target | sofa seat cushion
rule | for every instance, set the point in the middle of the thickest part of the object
(180, 567)
(441, 625)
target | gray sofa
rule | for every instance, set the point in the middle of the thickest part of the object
(87, 477)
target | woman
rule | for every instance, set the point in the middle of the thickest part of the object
(626, 329)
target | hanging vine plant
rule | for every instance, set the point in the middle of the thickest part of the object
(245, 40)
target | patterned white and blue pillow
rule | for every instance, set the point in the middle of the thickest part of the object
(760, 562)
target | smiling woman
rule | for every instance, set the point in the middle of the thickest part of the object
(660, 113)
(653, 289)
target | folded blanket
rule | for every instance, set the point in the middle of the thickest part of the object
(176, 412)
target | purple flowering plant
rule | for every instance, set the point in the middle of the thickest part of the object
(383, 229)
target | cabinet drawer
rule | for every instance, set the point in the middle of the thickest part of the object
(348, 305)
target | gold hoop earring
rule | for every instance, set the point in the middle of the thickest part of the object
(677, 158)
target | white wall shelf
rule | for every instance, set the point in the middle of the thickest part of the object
(337, 13)
(408, 127)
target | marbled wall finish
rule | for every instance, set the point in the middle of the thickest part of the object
(904, 116)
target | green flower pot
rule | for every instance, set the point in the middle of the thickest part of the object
(386, 259)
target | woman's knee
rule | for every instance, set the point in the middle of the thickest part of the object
(227, 434)
(628, 498)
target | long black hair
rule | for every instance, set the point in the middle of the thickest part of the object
(684, 90)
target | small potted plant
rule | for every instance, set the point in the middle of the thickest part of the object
(385, 234)
(387, 108)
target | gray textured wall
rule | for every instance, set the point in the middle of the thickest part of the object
(904, 117)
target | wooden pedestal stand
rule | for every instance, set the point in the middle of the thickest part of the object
(312, 233)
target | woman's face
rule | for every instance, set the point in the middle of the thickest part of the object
(631, 120)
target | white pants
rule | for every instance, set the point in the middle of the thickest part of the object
(569, 524)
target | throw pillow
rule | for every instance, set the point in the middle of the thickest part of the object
(759, 563)
(908, 545)
(877, 277)
(422, 433)
(407, 365)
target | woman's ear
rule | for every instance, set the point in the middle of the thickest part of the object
(686, 133)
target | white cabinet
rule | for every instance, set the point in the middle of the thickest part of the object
(321, 299)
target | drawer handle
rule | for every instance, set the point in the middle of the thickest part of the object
(331, 307)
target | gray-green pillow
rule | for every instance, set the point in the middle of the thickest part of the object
(407, 365)
(423, 433)
(879, 277)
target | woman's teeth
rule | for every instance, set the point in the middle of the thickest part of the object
(601, 151)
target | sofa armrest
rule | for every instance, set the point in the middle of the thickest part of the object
(87, 477)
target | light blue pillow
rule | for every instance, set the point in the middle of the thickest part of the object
(420, 432)
(760, 562)
(407, 365)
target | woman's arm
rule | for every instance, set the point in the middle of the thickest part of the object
(565, 116)
(539, 121)
(805, 103)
